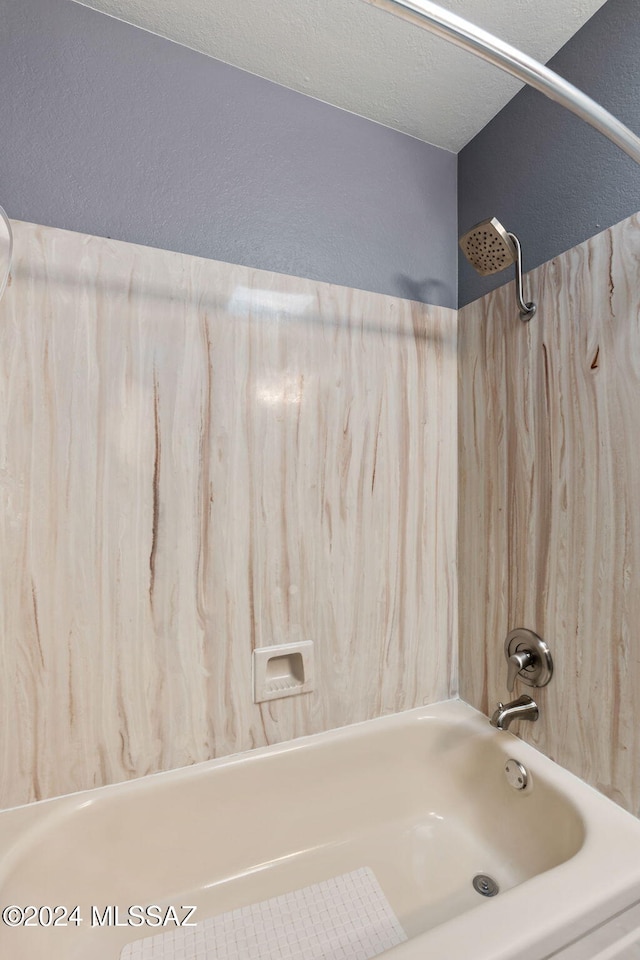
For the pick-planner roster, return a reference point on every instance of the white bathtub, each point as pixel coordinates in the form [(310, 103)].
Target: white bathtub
[(421, 798)]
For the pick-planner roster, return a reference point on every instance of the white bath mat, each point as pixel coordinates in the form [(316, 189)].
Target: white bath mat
[(346, 918)]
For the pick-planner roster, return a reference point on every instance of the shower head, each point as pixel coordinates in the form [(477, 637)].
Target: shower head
[(490, 248)]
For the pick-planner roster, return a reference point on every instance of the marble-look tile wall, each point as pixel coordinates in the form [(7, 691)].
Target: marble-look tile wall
[(197, 459), (549, 534)]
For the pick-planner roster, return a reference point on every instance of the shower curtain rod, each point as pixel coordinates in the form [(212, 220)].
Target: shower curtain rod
[(464, 34)]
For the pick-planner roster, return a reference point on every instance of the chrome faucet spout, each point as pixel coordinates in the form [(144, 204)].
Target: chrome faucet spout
[(523, 708)]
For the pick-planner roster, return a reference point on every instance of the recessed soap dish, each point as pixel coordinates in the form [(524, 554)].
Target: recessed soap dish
[(284, 670)]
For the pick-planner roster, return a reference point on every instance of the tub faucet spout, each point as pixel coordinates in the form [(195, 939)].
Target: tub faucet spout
[(521, 709)]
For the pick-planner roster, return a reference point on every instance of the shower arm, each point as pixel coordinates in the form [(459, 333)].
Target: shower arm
[(464, 34), (527, 310)]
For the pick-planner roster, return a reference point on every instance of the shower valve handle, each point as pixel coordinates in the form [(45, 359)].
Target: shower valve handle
[(517, 662), (528, 657)]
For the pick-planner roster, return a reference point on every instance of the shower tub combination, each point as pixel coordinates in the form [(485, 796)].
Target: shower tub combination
[(419, 802), (421, 799)]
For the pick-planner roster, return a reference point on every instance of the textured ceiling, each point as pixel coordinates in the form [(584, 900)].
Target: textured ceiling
[(360, 58)]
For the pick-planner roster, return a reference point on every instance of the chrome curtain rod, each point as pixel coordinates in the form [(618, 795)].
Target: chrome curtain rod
[(464, 34)]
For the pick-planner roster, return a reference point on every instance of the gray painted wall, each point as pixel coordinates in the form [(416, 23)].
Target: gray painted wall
[(546, 175), (109, 130)]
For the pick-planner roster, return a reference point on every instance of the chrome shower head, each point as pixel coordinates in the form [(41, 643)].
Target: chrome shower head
[(490, 248)]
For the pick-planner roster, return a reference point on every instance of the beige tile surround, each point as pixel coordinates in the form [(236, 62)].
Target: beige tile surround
[(549, 502), (187, 457), (197, 459)]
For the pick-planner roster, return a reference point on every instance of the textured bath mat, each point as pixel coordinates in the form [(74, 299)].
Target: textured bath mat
[(346, 918)]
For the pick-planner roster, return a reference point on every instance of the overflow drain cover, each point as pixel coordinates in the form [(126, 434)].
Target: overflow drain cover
[(485, 885)]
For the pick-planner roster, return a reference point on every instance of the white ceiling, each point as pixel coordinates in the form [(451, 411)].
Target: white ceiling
[(360, 58)]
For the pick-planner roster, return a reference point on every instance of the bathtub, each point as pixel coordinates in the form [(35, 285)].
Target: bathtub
[(421, 798)]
